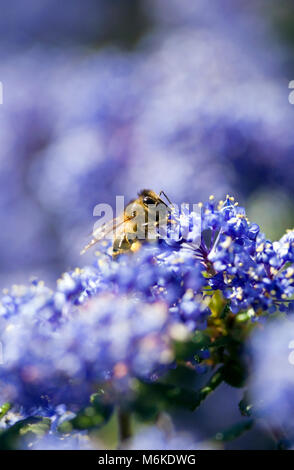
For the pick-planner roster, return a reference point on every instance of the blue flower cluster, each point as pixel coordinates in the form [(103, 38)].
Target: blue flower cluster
[(251, 271), (118, 319), (50, 359)]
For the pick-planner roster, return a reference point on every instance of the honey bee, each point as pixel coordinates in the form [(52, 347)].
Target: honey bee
[(136, 224)]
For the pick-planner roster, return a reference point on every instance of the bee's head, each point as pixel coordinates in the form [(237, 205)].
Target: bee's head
[(148, 196)]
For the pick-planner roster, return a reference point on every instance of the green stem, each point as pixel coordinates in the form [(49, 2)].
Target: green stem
[(234, 431), (211, 385), (124, 425)]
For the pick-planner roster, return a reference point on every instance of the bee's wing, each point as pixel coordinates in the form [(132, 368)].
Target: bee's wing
[(111, 226)]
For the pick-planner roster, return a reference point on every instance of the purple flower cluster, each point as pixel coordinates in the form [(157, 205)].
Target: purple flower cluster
[(117, 320), (49, 360), (112, 322), (251, 271)]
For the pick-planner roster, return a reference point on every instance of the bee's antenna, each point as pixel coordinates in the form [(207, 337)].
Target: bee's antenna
[(171, 207), (167, 198)]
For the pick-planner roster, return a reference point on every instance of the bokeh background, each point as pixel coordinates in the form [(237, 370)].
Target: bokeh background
[(105, 97)]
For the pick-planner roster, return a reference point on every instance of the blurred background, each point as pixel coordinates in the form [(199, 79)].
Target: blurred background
[(106, 97)]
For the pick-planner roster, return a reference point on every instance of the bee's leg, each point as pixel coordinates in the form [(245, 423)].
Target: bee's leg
[(124, 241), (124, 244), (121, 245), (117, 244)]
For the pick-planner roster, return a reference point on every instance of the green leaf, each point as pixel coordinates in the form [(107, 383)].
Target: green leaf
[(38, 428), (156, 397), (217, 303), (211, 385), (201, 340), (93, 416), (4, 409), (28, 430), (186, 350), (182, 376), (235, 374)]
